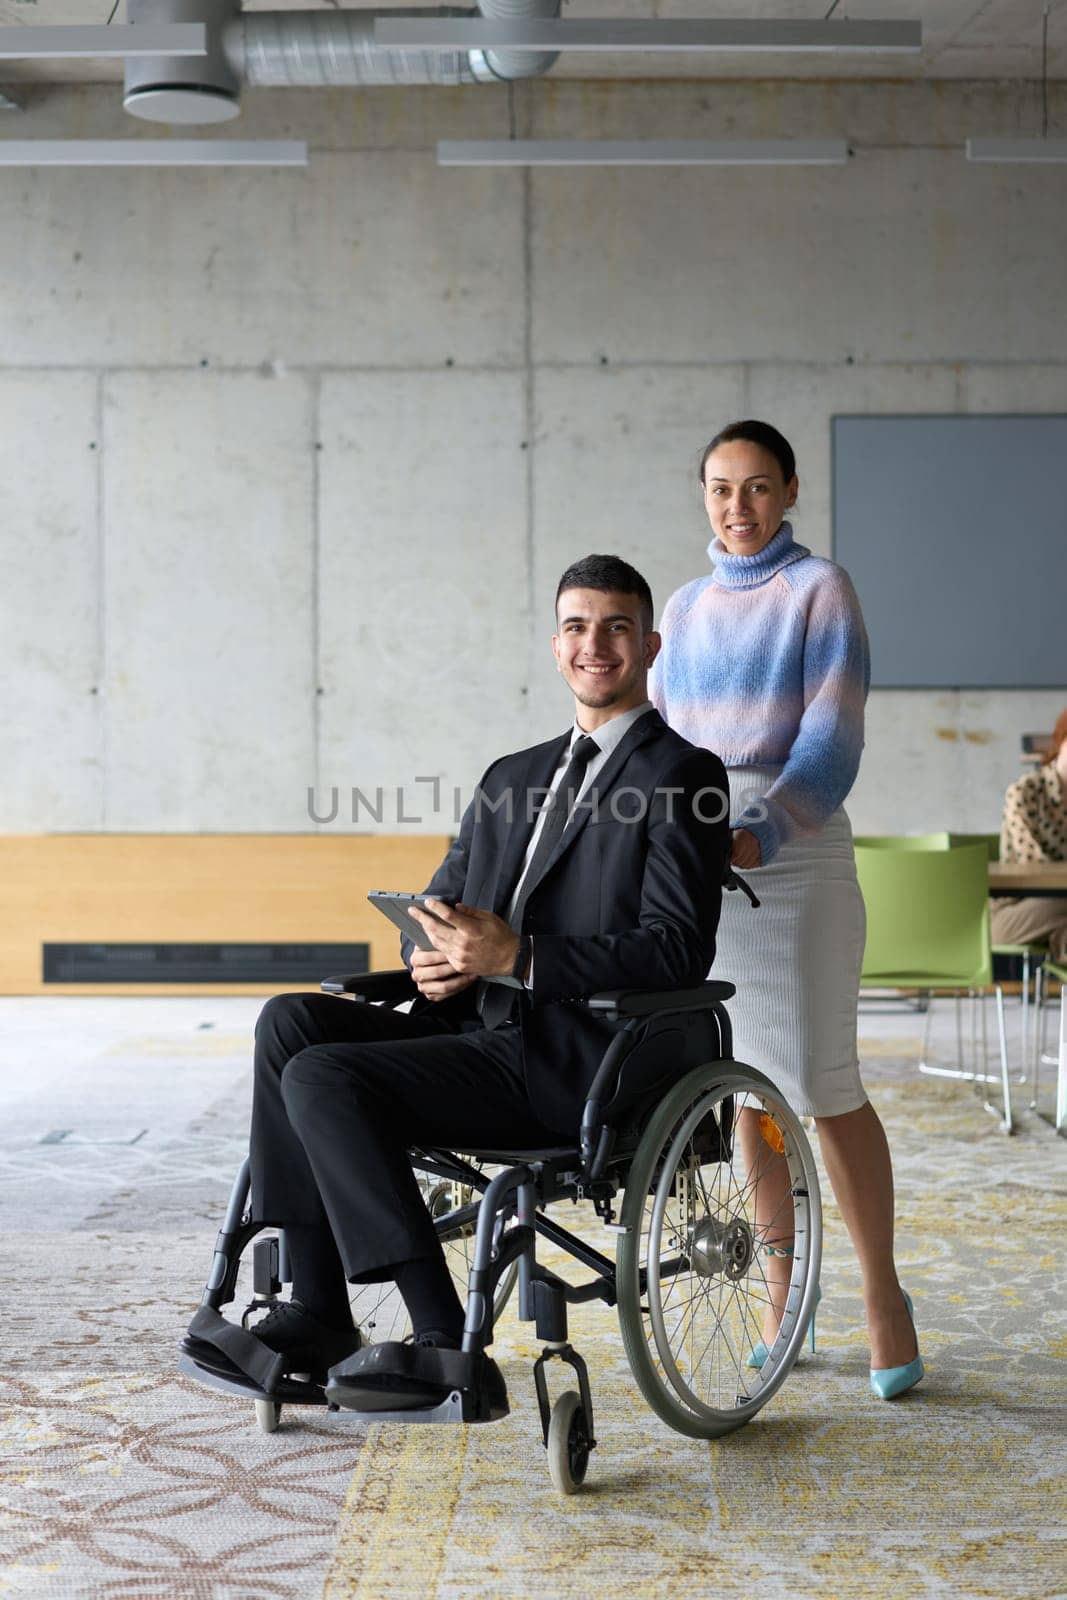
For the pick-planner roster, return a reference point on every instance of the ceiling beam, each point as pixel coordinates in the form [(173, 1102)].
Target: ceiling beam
[(78, 43), (152, 153), (1017, 149), (644, 34), (641, 152)]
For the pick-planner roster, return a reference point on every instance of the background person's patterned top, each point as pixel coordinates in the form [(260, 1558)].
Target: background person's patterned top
[(1034, 826), (765, 661)]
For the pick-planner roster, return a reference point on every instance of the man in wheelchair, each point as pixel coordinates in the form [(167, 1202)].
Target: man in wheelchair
[(593, 862)]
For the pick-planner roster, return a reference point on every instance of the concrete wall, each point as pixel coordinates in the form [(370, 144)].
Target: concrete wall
[(290, 462)]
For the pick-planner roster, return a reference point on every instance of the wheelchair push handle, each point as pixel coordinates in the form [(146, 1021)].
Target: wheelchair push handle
[(733, 880)]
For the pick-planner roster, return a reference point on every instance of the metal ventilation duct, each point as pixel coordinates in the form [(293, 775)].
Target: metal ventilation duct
[(490, 65), (304, 49), (184, 89), (314, 49)]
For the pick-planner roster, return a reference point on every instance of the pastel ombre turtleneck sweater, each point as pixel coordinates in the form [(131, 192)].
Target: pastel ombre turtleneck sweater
[(765, 661)]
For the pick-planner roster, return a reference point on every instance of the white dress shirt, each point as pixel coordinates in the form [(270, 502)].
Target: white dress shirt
[(608, 736)]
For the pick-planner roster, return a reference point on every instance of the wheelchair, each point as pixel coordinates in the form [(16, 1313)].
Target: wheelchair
[(693, 1161)]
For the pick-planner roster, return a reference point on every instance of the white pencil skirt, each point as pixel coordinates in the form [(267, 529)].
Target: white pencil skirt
[(796, 963)]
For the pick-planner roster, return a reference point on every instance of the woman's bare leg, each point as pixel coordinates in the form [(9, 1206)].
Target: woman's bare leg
[(856, 1155), (768, 1181)]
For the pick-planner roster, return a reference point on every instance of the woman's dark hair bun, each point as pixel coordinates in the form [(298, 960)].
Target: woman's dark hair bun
[(752, 432)]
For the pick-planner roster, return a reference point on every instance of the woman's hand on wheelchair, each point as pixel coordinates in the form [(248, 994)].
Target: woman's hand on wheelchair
[(476, 943), (745, 849)]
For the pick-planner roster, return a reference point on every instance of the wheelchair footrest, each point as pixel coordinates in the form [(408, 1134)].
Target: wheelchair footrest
[(459, 1406), (217, 1375), (223, 1347), (406, 1382)]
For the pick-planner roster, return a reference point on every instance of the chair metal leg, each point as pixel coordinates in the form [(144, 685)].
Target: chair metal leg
[(925, 1046), (979, 1046), (1060, 1123), (1044, 1015), (1026, 1015), (942, 1072), (1037, 1032), (980, 1078), (1007, 1125), (1057, 1119)]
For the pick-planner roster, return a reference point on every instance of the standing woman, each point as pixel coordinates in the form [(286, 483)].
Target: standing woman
[(765, 661)]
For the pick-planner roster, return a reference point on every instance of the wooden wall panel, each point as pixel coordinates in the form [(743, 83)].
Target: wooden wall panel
[(196, 888)]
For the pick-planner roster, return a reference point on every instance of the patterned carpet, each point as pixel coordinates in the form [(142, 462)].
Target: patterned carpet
[(121, 1479)]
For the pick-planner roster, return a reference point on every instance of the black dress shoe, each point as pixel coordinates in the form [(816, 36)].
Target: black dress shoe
[(404, 1377), (306, 1344)]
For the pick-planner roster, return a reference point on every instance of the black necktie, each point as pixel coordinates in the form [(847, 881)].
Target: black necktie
[(498, 1000)]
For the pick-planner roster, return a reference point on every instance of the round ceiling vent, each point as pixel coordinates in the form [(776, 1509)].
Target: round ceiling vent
[(184, 90), (184, 103)]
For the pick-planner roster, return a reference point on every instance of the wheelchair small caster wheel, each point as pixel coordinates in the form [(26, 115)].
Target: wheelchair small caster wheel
[(268, 1414), (568, 1443)]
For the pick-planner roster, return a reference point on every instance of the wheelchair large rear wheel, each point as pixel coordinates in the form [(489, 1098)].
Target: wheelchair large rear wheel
[(378, 1309), (721, 1207)]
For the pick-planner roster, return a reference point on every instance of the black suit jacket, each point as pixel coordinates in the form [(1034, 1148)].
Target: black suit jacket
[(629, 899)]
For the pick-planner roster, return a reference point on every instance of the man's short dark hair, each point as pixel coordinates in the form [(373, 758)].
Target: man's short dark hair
[(609, 575)]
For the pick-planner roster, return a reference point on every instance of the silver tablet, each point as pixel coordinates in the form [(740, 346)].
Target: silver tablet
[(395, 907)]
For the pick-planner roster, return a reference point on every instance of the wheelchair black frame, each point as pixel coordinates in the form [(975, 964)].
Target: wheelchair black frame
[(517, 1191)]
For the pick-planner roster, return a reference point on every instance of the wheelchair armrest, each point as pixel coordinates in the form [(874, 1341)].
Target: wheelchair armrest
[(597, 1139), (390, 987), (647, 1002)]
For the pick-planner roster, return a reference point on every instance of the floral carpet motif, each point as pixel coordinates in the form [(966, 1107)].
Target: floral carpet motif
[(121, 1480)]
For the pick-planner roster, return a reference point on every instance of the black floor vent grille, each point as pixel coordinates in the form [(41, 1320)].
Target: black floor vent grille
[(200, 963)]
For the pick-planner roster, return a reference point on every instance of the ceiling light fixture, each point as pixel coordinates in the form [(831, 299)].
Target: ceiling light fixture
[(145, 39), (1043, 149), (152, 153), (641, 152), (645, 34), (1017, 149)]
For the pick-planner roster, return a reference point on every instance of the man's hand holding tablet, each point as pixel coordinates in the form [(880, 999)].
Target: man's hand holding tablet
[(478, 944), (435, 977), (466, 943)]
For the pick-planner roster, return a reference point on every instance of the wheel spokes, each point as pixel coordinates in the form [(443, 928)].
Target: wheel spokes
[(707, 1313)]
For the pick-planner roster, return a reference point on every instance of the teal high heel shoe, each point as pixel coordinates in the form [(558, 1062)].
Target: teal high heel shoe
[(757, 1356), (889, 1382)]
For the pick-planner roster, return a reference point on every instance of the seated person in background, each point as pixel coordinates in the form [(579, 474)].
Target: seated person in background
[(1035, 829), (613, 883)]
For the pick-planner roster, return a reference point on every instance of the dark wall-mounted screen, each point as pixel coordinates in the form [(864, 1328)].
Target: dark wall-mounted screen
[(954, 530), (200, 963)]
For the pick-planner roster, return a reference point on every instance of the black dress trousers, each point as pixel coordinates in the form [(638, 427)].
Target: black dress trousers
[(342, 1089)]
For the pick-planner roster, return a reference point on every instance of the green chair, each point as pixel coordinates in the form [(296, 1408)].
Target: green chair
[(928, 929), (991, 841), (903, 841), (1033, 954), (906, 841)]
